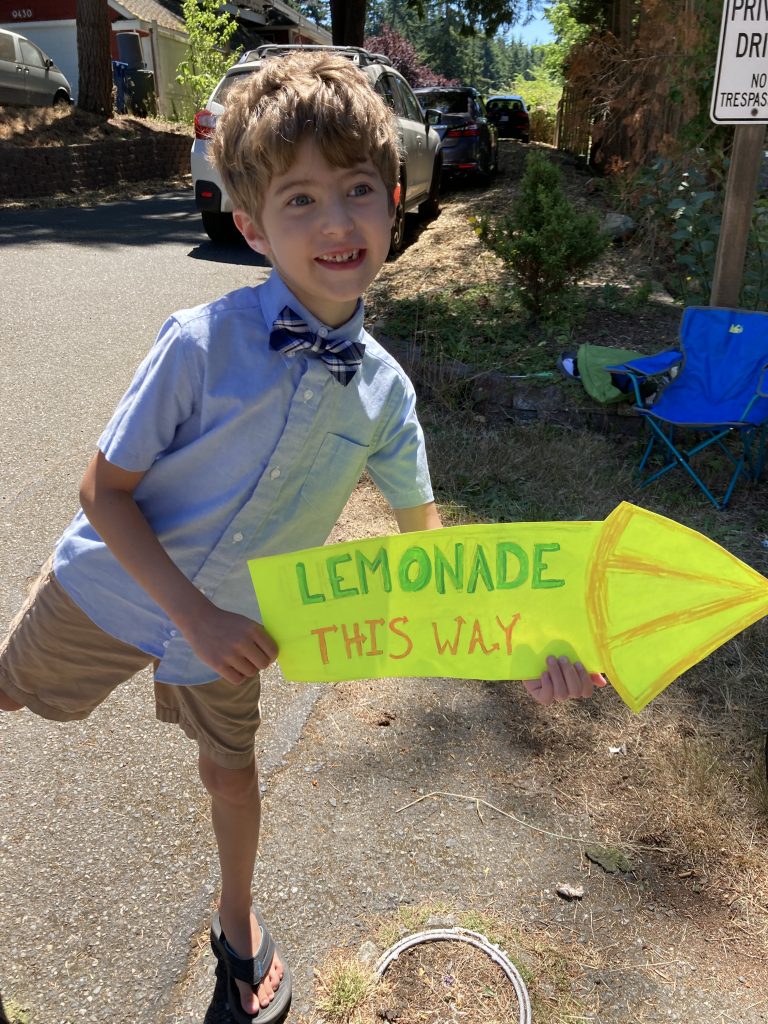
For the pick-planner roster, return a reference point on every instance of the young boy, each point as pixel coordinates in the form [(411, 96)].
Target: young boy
[(243, 433)]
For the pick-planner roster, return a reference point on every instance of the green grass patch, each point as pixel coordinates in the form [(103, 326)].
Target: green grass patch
[(346, 985), (479, 325)]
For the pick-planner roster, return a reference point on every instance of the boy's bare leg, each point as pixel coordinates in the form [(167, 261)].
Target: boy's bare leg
[(236, 815)]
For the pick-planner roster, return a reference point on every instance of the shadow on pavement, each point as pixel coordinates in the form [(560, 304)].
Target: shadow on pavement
[(168, 218), (236, 254), (218, 1010)]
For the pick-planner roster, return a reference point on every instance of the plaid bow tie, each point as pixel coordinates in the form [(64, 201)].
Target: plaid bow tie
[(290, 335)]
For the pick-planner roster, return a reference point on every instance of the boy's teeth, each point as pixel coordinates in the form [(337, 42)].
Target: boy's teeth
[(344, 257)]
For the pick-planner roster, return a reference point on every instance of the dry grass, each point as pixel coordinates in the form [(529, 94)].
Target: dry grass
[(685, 788), (690, 788), (443, 981), (62, 126)]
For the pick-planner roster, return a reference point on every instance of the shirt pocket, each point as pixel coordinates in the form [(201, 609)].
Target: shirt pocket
[(334, 473)]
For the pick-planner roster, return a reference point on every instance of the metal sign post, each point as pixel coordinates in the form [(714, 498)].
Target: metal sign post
[(740, 97)]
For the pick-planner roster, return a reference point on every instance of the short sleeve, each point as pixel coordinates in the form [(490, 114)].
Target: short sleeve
[(159, 399), (398, 463)]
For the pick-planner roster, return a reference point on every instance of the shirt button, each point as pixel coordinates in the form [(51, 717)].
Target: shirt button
[(237, 537), (274, 474), (166, 643), (308, 394), (323, 332), (174, 633)]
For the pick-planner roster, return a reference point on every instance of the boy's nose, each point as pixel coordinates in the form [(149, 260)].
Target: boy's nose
[(338, 219)]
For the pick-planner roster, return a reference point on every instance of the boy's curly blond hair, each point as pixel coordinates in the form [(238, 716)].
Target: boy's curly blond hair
[(311, 94)]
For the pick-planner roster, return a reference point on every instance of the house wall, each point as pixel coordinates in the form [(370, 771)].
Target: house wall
[(175, 100)]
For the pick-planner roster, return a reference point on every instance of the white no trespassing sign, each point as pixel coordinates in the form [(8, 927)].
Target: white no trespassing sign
[(740, 94)]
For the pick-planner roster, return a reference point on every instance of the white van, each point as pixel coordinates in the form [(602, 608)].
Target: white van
[(28, 77)]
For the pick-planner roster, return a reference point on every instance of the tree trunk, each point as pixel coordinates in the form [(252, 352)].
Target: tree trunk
[(94, 57), (348, 22)]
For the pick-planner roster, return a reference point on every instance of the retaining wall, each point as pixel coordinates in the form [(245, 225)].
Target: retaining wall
[(29, 171)]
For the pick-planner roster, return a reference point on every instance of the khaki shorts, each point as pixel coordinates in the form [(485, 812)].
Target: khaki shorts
[(59, 664)]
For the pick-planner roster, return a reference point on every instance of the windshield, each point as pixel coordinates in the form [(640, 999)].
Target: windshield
[(226, 85)]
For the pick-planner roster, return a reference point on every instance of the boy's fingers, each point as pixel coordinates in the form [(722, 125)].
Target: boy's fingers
[(557, 669), (265, 642), (584, 686), (540, 689)]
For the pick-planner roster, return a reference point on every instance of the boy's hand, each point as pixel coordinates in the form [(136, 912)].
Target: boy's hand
[(234, 645), (563, 680)]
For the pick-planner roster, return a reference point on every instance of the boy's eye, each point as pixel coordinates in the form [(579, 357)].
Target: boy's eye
[(300, 200), (362, 189)]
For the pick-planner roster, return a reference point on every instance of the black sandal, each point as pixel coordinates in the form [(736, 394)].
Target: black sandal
[(253, 971)]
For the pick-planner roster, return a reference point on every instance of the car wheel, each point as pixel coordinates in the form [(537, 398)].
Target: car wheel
[(397, 239), (220, 227), (484, 167), (61, 99), (525, 137), (430, 208)]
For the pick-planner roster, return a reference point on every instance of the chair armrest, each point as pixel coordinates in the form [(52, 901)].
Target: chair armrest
[(649, 366)]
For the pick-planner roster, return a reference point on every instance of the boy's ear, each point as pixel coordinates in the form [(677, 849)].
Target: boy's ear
[(251, 232)]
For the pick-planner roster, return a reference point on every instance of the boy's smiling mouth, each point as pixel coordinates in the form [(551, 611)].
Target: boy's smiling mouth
[(343, 257)]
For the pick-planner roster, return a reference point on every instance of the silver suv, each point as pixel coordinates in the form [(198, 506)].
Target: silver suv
[(421, 167)]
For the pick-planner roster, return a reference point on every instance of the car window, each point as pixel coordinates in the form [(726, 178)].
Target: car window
[(226, 85), (7, 50), (408, 103), (31, 55), (385, 87), (446, 102)]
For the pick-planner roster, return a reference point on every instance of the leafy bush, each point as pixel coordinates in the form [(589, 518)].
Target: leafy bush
[(546, 242), (680, 207)]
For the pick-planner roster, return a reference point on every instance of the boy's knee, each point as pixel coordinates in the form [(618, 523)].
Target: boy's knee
[(8, 703), (236, 785)]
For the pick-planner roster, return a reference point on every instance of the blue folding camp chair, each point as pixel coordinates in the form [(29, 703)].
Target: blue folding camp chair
[(720, 392)]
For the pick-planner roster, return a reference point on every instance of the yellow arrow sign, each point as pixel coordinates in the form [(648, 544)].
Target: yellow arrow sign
[(637, 596)]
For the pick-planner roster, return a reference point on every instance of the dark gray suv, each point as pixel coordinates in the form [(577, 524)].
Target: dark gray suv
[(28, 77), (470, 140), (420, 171)]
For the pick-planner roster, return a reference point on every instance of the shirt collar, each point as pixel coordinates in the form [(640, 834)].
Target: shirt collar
[(274, 295)]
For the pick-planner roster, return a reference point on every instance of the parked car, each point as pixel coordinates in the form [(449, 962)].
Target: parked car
[(470, 140), (28, 77), (420, 172), (510, 115)]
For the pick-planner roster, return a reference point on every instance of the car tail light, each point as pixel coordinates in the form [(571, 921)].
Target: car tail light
[(462, 132), (205, 122)]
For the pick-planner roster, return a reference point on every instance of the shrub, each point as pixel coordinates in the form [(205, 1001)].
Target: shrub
[(546, 242), (679, 204)]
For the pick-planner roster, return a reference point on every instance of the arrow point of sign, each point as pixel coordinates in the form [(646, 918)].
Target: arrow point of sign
[(662, 597)]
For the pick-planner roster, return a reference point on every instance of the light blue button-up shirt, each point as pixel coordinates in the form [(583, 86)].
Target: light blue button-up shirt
[(246, 452)]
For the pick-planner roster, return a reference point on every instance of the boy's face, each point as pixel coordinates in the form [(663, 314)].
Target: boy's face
[(325, 229)]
